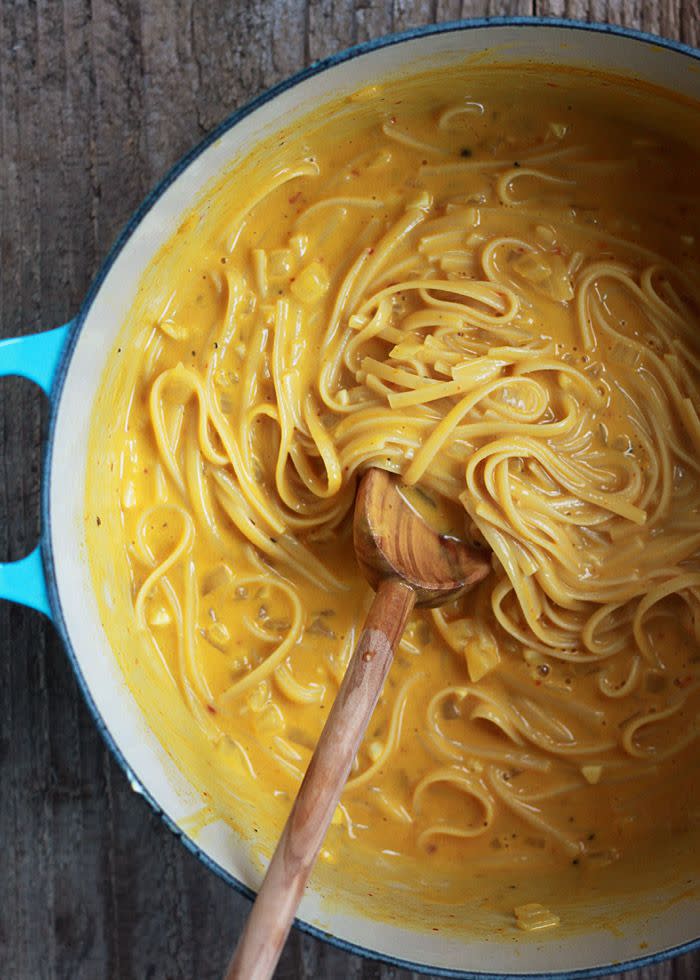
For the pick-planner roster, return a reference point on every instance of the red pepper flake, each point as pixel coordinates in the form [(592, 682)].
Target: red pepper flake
[(211, 709), (683, 681), (370, 251), (355, 172), (295, 197)]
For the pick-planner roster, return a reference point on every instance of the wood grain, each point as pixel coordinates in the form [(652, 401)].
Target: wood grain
[(97, 99), (266, 929)]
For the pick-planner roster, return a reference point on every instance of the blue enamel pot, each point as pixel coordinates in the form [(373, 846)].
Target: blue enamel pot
[(68, 363)]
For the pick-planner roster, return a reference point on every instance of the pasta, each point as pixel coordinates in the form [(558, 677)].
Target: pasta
[(500, 304)]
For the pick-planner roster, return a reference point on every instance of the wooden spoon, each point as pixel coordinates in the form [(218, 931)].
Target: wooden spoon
[(408, 564)]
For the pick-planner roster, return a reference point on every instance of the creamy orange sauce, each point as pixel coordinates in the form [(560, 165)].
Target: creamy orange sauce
[(489, 760)]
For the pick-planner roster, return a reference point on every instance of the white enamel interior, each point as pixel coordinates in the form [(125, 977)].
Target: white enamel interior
[(148, 765)]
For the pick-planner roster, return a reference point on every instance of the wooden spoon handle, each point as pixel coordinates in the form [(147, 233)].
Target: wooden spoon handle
[(272, 915)]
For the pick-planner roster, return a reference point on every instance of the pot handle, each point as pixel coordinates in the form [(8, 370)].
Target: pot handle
[(35, 357)]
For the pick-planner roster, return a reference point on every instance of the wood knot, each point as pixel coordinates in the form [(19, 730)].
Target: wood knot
[(373, 642)]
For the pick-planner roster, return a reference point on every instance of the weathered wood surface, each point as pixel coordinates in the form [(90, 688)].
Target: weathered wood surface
[(97, 99)]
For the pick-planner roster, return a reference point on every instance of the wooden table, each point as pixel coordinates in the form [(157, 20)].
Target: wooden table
[(97, 99)]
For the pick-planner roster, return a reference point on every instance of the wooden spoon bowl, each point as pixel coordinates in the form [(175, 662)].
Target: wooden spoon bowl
[(392, 542)]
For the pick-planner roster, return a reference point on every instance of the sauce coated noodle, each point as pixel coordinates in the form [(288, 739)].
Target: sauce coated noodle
[(499, 302)]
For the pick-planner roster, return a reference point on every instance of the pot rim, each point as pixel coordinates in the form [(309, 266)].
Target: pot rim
[(75, 329)]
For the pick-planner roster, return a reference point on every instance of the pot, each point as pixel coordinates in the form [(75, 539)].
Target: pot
[(68, 363)]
